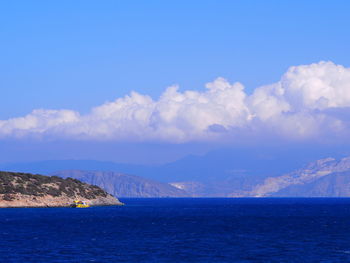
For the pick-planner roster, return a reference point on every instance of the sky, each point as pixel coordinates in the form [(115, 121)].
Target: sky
[(153, 81)]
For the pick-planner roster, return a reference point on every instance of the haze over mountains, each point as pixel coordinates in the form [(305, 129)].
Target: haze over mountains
[(218, 165), (224, 173), (123, 185), (327, 177), (323, 178)]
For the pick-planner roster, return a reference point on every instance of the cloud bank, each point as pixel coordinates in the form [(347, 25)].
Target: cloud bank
[(310, 101)]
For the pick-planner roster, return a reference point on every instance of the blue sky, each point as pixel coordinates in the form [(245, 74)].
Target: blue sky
[(77, 55)]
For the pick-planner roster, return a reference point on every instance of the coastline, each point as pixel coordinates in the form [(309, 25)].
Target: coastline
[(47, 201)]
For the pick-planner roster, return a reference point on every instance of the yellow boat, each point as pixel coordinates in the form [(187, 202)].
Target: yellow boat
[(80, 204)]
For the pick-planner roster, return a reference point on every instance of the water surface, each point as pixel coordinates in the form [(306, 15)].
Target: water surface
[(181, 230)]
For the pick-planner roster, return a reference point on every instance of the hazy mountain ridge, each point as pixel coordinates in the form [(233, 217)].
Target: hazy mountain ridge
[(326, 177), (321, 172), (220, 188), (332, 185), (213, 176), (216, 165), (123, 185)]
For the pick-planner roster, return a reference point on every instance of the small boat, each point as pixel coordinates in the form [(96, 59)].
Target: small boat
[(80, 204)]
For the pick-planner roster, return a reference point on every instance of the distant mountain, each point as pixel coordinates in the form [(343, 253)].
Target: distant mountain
[(327, 177), (219, 188), (324, 178), (122, 185), (50, 166), (230, 165), (332, 185), (221, 173)]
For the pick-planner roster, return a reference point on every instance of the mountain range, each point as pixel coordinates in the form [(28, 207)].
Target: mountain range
[(217, 165), (217, 174), (123, 185), (327, 177)]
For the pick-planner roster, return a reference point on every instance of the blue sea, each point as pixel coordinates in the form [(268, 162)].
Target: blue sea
[(181, 230)]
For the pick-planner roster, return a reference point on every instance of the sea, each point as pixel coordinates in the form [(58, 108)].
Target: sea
[(181, 230)]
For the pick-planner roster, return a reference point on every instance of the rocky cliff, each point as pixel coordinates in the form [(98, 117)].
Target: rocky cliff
[(123, 185), (29, 190)]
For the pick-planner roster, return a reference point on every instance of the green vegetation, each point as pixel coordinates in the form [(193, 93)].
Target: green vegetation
[(40, 185)]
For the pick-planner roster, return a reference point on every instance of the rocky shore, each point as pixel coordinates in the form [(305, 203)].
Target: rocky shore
[(28, 190)]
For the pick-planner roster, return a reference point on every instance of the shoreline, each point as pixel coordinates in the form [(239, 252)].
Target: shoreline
[(59, 206)]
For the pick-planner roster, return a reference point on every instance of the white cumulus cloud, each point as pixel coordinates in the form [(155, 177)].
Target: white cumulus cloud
[(310, 101)]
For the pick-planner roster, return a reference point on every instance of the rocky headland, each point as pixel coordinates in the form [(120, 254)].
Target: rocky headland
[(33, 190)]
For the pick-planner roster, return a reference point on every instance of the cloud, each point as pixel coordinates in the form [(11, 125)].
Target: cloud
[(308, 102)]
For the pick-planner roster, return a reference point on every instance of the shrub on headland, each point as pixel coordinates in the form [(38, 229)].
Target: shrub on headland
[(40, 185)]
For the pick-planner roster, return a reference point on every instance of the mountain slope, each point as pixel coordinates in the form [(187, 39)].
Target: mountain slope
[(332, 185), (123, 185), (326, 177)]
